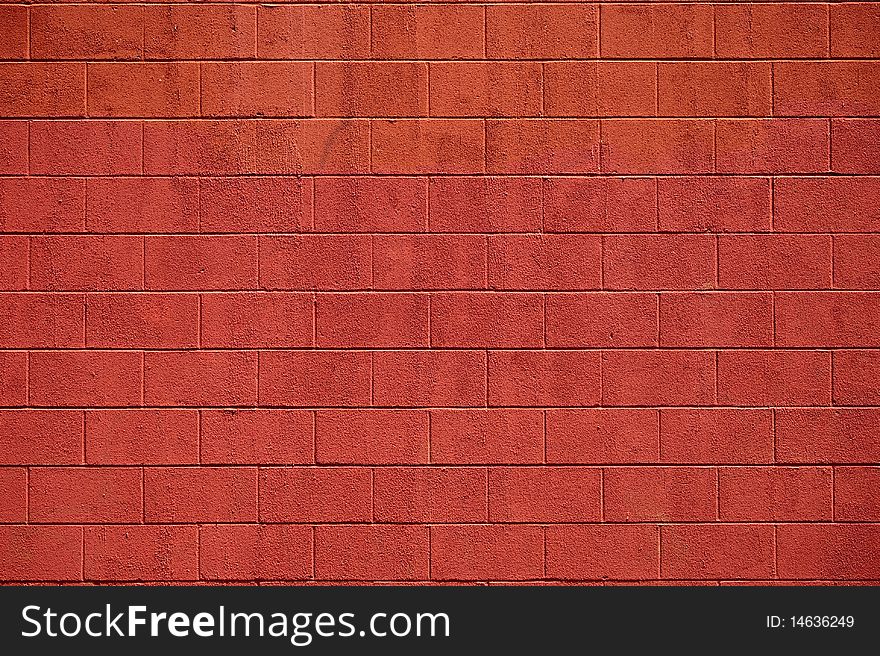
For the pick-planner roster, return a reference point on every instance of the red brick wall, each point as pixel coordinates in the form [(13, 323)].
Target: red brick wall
[(440, 292)]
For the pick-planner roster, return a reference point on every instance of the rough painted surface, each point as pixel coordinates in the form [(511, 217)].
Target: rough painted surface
[(564, 292)]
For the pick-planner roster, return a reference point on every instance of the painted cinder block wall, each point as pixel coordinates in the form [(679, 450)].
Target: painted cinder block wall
[(563, 292)]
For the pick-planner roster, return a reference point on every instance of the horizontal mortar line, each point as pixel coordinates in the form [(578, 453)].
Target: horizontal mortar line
[(417, 177), (463, 174), (440, 117), (80, 118), (361, 524), (367, 3), (458, 290), (431, 349), (445, 465), (265, 406), (475, 582), (431, 291), (471, 524), (97, 58), (305, 235), (427, 176), (435, 233), (194, 177)]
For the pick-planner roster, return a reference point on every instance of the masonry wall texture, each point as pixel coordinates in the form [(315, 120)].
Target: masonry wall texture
[(447, 292)]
